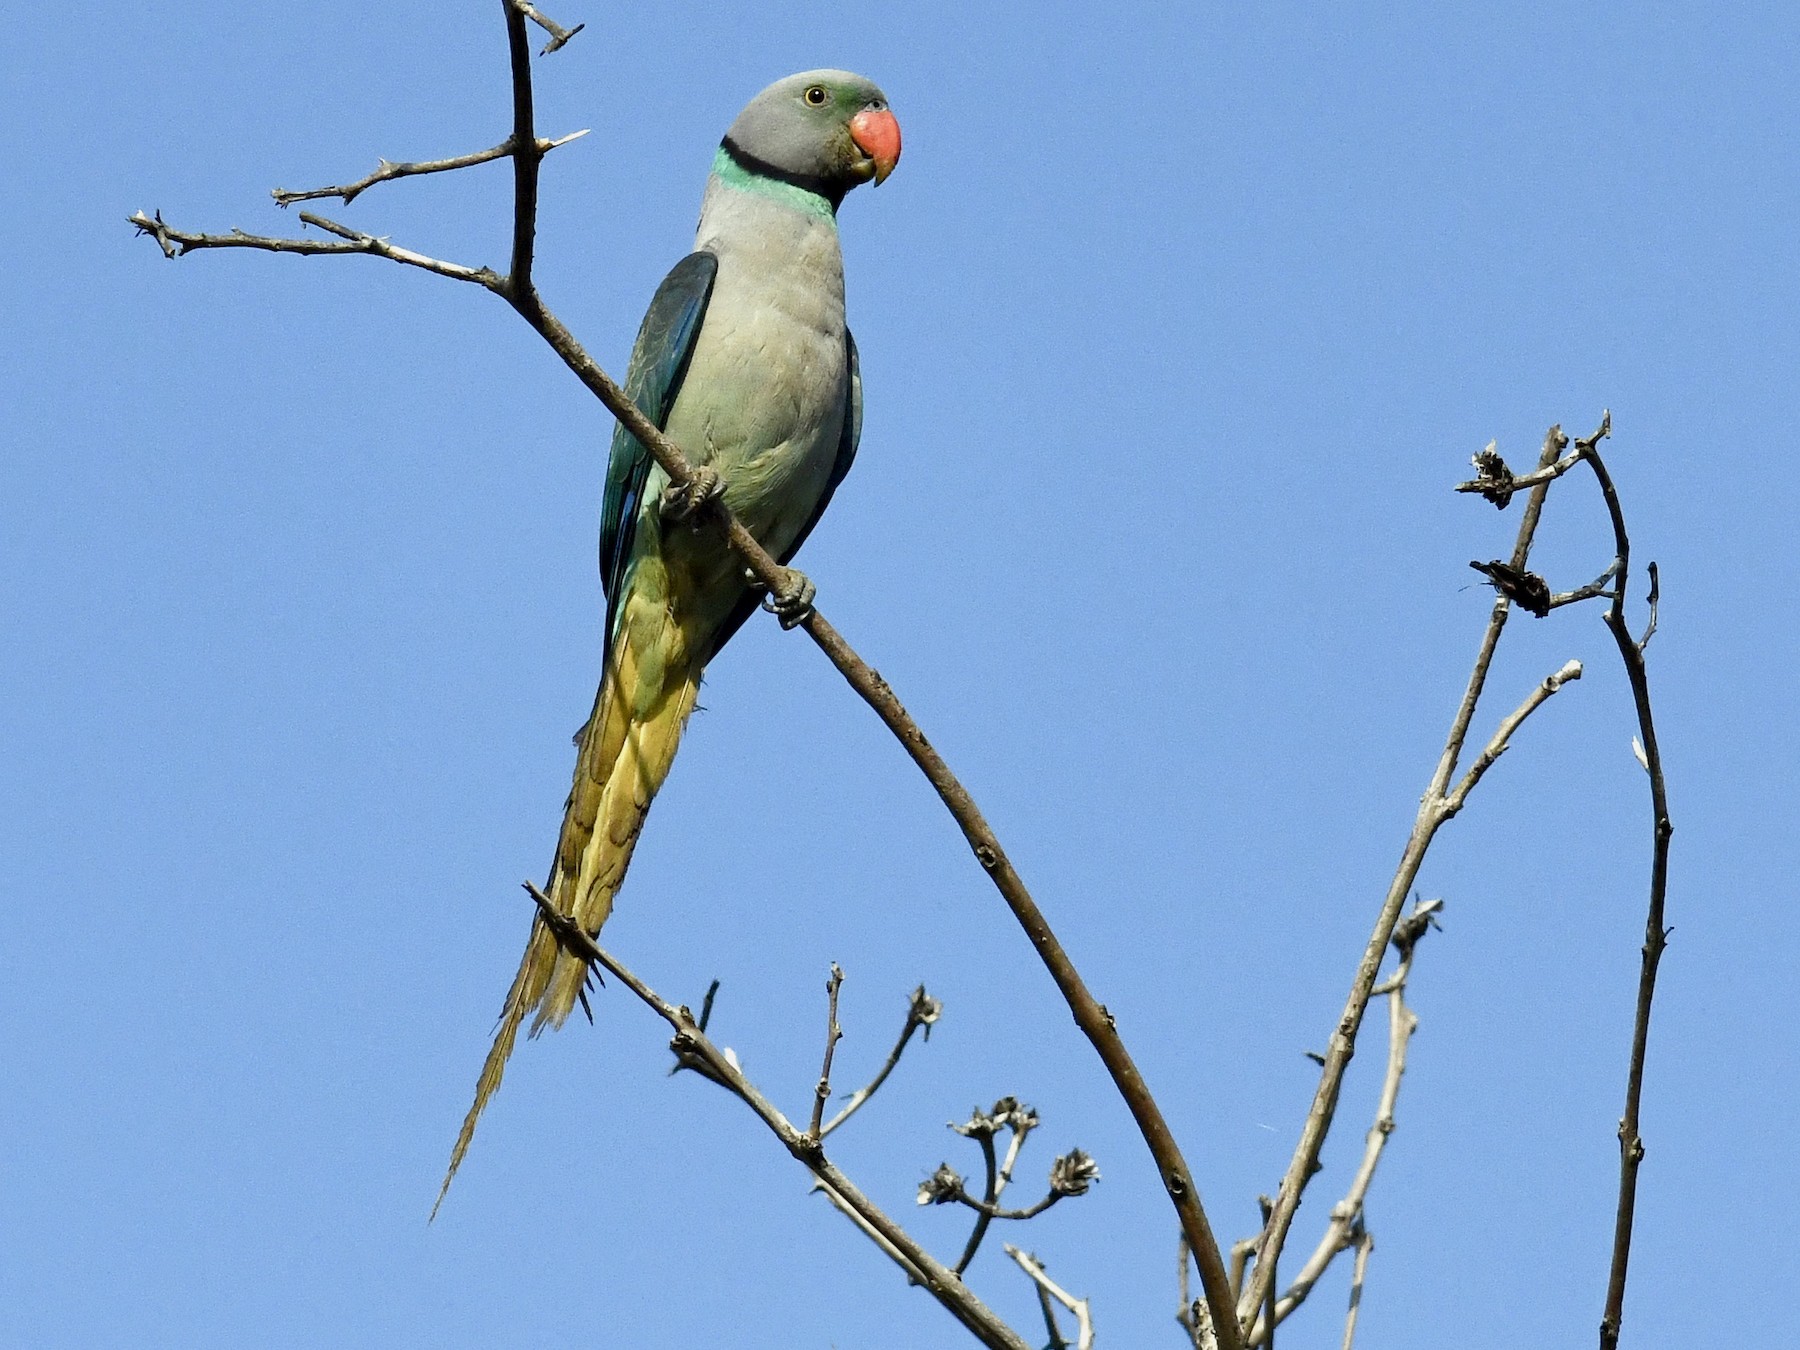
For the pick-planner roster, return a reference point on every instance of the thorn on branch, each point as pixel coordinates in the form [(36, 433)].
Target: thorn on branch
[(1525, 589), (559, 36)]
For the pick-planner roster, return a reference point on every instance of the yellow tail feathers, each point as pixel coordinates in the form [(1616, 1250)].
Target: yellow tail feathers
[(629, 743)]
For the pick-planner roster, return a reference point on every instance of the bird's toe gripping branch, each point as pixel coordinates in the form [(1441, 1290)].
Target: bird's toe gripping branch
[(792, 601), (688, 503)]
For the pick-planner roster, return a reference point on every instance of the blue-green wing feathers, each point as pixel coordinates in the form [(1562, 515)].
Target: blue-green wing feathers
[(659, 363)]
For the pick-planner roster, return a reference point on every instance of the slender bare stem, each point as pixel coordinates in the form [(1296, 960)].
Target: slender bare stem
[(912, 1272), (1365, 1243), (1631, 653), (559, 36), (174, 243), (984, 1212), (1084, 1337), (1347, 1214), (388, 170), (922, 1011), (945, 1285), (833, 1033), (1432, 814), (1453, 802)]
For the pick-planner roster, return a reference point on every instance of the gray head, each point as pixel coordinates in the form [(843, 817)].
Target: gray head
[(822, 130)]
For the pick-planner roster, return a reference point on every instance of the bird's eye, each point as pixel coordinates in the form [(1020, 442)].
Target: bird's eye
[(817, 96)]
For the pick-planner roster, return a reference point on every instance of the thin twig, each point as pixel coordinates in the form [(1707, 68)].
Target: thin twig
[(943, 1284), (922, 1011), (1431, 816), (1365, 1243), (1571, 670), (984, 1212), (833, 1033), (388, 170), (559, 36), (174, 243), (912, 1272), (1347, 1214), (989, 1210), (1600, 587), (1084, 1337), (1656, 936)]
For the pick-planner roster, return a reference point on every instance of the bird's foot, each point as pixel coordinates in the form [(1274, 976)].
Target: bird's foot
[(687, 503), (792, 600)]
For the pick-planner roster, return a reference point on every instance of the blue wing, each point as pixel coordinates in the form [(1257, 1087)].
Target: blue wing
[(846, 456), (659, 364)]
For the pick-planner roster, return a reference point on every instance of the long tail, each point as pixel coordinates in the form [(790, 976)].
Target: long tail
[(646, 694)]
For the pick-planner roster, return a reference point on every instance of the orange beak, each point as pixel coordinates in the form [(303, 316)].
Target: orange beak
[(877, 135)]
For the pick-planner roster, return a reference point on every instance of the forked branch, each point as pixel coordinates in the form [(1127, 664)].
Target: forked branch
[(1437, 806), (722, 1067), (518, 289)]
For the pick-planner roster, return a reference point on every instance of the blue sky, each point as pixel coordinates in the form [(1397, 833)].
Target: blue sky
[(1177, 324)]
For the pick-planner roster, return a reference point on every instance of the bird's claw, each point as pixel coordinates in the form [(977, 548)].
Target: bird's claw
[(792, 601), (686, 503)]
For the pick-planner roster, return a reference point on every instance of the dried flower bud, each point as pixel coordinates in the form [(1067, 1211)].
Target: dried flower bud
[(1073, 1173), (924, 1010), (979, 1125), (941, 1187), (1495, 477)]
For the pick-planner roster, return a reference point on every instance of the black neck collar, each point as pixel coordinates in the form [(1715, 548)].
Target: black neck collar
[(831, 191)]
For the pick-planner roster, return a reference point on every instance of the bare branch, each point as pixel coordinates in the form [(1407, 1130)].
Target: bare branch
[(1084, 1337), (1496, 482), (1571, 670), (833, 1033), (913, 1274), (1656, 936), (1365, 1243), (559, 36), (1599, 587), (1431, 816), (922, 1011), (944, 1285), (1347, 1215), (174, 243), (388, 170), (986, 1211)]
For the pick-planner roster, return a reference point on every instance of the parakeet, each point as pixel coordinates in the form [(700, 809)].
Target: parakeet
[(745, 360)]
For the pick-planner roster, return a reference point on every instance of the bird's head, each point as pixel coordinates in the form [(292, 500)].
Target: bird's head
[(827, 128)]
